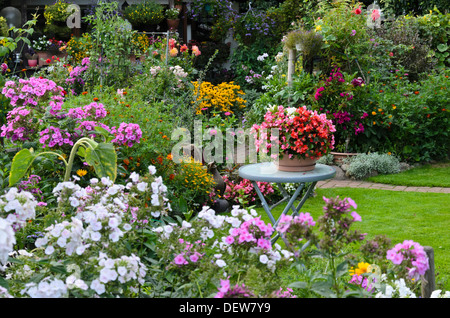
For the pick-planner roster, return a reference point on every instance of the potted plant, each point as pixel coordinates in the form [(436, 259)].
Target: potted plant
[(144, 16), (308, 43), (172, 18), (41, 45), (298, 136), (32, 57), (56, 16)]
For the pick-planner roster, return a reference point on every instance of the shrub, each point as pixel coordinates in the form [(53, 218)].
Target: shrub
[(363, 165), (225, 97)]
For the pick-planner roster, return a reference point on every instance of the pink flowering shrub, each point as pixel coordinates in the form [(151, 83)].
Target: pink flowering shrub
[(38, 101), (253, 233), (242, 192), (127, 134), (237, 291), (190, 254), (337, 97), (54, 136), (21, 125), (37, 93), (94, 110), (75, 79)]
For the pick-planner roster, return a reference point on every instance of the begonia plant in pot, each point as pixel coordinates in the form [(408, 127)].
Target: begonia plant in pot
[(295, 137)]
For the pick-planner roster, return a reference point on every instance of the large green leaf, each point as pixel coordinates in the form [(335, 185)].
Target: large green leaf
[(20, 165), (103, 158)]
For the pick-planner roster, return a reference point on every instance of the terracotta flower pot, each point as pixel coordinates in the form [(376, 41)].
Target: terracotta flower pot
[(295, 164), (173, 24), (338, 157), (32, 63)]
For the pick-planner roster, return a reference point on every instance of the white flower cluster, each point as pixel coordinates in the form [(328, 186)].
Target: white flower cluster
[(262, 57), (123, 270), (439, 294), (7, 240), (19, 206), (178, 71), (397, 290), (47, 288), (67, 235), (4, 293)]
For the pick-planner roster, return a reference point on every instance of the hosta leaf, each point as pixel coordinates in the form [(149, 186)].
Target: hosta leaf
[(20, 165), (103, 158)]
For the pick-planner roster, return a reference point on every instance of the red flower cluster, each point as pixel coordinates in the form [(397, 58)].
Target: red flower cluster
[(301, 132)]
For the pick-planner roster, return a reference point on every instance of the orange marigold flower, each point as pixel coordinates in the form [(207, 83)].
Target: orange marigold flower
[(416, 92), (95, 99), (84, 93)]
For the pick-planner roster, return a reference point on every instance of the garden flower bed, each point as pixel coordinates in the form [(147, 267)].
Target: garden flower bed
[(118, 171)]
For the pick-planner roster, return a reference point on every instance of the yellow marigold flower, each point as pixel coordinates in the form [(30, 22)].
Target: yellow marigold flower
[(81, 172)]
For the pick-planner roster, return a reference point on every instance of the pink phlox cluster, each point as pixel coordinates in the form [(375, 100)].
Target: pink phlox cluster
[(94, 110), (127, 134), (19, 125), (189, 255), (254, 232), (75, 75), (87, 126), (414, 256), (227, 291), (287, 220), (32, 91), (284, 294), (54, 136)]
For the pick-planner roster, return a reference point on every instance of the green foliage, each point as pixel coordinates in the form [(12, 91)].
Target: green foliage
[(409, 119), (279, 93), (344, 32), (435, 26), (399, 7), (405, 45), (111, 38)]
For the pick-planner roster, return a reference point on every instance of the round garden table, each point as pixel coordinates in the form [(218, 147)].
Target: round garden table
[(268, 172)]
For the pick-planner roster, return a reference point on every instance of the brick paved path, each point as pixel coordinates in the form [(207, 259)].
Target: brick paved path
[(333, 183)]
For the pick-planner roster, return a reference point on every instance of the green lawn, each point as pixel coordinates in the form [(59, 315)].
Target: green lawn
[(421, 217), (425, 176)]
